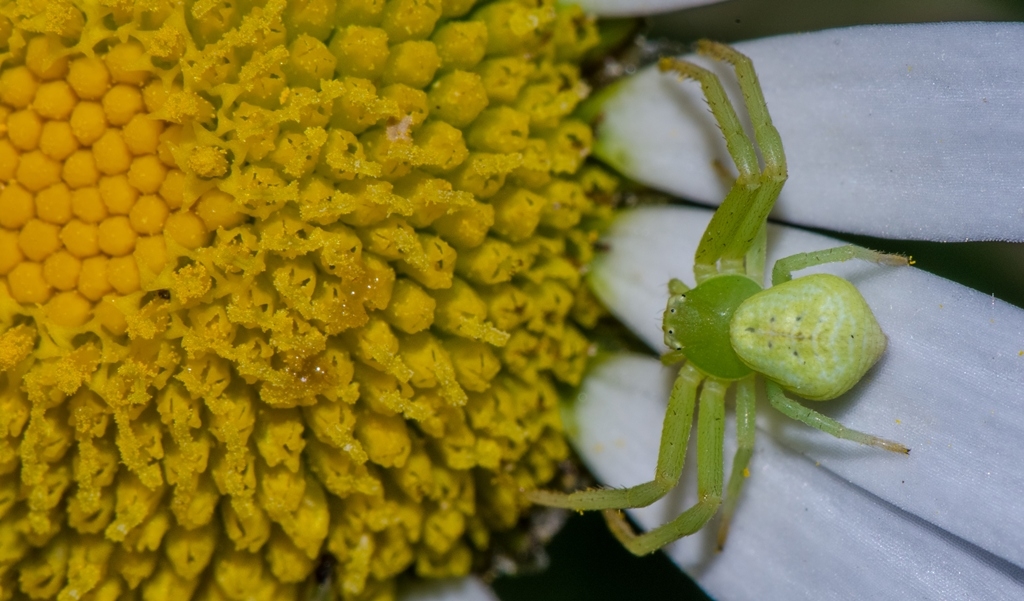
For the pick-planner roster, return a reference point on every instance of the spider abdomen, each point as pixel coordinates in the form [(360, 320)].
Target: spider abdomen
[(815, 335)]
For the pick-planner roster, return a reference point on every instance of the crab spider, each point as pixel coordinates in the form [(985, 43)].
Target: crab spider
[(814, 336)]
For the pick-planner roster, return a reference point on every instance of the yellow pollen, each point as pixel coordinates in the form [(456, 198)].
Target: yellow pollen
[(284, 280)]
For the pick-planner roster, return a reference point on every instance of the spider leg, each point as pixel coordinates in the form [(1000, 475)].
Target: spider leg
[(675, 434), (726, 221), (710, 434), (774, 174), (784, 268), (767, 136), (755, 258), (812, 418), (745, 429)]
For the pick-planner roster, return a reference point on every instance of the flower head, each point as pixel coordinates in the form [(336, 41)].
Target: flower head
[(280, 279)]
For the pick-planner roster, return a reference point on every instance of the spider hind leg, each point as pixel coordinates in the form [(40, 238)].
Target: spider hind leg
[(671, 455), (710, 435)]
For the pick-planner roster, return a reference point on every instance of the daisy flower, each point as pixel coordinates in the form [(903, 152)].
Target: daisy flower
[(287, 289)]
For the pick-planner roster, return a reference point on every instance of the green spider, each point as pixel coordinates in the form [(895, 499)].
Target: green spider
[(814, 336)]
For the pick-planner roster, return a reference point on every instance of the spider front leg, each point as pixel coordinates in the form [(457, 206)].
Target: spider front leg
[(710, 435), (735, 225), (775, 172), (722, 228), (675, 434)]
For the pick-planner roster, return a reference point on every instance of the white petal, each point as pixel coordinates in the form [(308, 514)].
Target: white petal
[(800, 532), (950, 386), (633, 8), (456, 589), (900, 131)]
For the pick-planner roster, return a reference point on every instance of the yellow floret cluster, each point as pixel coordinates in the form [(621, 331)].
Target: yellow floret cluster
[(282, 280), (90, 187)]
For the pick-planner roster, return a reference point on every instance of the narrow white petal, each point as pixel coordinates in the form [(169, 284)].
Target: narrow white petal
[(800, 531), (950, 385), (633, 8), (456, 589), (899, 131)]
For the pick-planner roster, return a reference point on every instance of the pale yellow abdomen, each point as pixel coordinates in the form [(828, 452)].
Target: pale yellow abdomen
[(815, 335)]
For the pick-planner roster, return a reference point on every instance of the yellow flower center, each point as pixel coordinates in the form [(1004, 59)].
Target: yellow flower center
[(281, 279)]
